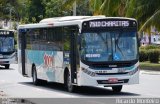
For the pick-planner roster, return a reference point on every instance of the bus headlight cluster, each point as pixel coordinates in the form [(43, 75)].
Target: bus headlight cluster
[(133, 71), (88, 72)]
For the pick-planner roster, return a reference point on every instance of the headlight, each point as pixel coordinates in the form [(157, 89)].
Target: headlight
[(133, 71), (88, 72)]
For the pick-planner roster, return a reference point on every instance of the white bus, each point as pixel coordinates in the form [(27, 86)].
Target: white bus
[(80, 51), (7, 48)]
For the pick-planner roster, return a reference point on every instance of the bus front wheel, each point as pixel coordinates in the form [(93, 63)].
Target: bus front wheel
[(36, 81), (117, 88), (7, 66), (68, 83)]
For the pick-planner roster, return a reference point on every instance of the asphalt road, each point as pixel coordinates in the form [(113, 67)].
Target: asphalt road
[(14, 85)]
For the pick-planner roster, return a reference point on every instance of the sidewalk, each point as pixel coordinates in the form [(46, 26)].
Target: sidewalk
[(149, 72)]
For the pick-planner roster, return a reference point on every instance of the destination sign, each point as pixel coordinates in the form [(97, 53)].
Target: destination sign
[(108, 24)]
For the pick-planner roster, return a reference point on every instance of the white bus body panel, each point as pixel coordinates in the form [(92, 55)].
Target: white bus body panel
[(10, 58), (53, 72)]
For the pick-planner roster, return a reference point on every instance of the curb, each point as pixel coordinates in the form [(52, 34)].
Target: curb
[(150, 72)]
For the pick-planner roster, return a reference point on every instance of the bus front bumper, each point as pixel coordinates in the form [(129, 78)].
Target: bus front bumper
[(11, 60), (104, 80)]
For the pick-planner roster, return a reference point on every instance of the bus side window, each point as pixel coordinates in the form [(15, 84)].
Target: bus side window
[(55, 39), (66, 38)]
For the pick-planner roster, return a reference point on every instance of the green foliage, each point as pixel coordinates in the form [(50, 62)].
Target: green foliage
[(95, 5), (149, 66), (114, 7), (14, 25), (9, 5), (82, 6), (153, 55), (150, 52), (146, 11), (143, 55), (35, 10), (69, 3), (54, 8), (148, 47), (32, 11)]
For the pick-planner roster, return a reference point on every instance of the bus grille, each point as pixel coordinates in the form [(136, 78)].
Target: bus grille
[(107, 82), (112, 73)]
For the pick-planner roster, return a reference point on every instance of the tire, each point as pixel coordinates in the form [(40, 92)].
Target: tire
[(7, 66), (68, 83), (117, 88), (35, 80)]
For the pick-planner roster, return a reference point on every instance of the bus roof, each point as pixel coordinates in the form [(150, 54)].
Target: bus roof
[(68, 18), (7, 30), (66, 21)]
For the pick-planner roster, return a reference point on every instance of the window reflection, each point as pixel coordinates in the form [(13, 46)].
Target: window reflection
[(6, 44), (109, 46)]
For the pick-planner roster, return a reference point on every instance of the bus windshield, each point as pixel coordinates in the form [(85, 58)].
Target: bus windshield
[(6, 44), (109, 46)]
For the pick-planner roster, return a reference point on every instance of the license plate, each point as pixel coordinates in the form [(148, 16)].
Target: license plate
[(112, 80)]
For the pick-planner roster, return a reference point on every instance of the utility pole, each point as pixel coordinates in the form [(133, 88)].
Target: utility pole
[(74, 9), (10, 17)]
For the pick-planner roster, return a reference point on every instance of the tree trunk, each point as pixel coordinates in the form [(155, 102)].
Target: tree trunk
[(149, 39)]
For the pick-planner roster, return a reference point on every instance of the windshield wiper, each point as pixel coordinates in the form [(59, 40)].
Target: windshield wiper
[(116, 44), (104, 40)]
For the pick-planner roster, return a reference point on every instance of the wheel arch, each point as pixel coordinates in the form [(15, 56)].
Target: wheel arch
[(33, 65)]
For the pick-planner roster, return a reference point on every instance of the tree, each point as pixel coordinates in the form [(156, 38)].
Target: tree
[(54, 8), (95, 5), (109, 7), (147, 12), (35, 10), (82, 7), (8, 6), (104, 7)]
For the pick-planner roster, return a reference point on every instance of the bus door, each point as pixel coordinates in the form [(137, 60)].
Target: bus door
[(73, 54)]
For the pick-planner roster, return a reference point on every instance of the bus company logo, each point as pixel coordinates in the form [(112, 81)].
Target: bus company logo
[(109, 24), (48, 60)]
